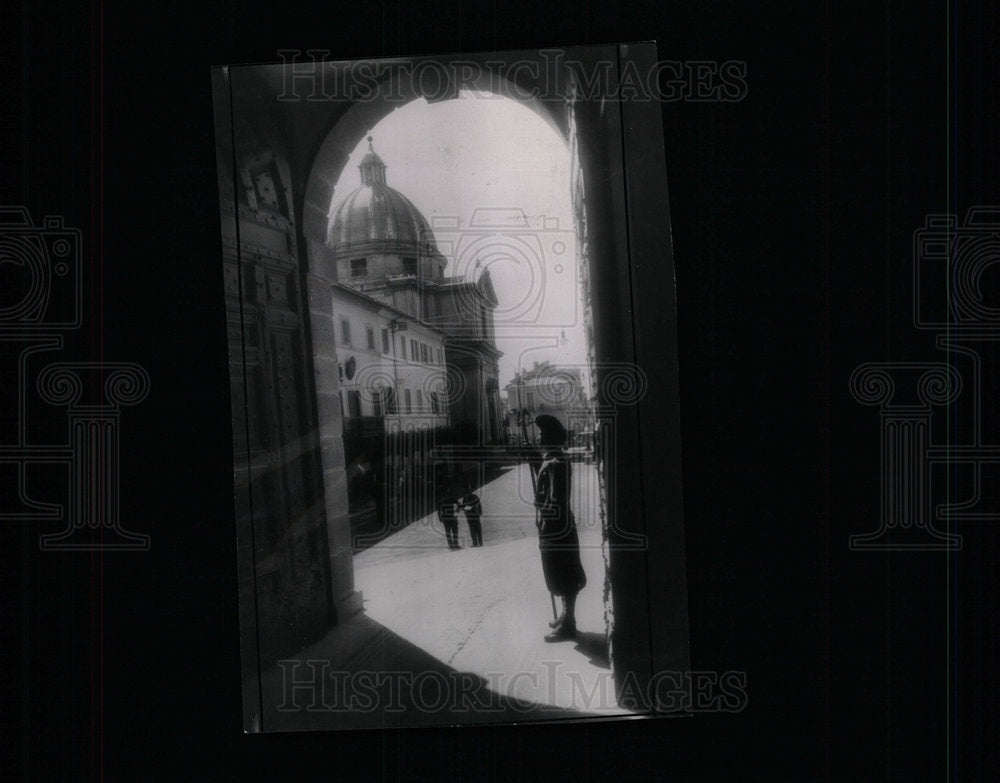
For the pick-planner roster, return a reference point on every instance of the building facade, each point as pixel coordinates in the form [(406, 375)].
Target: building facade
[(385, 249), (464, 310), (549, 389), (391, 366), (416, 353)]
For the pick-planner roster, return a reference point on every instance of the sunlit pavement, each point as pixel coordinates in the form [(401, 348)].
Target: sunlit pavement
[(482, 611)]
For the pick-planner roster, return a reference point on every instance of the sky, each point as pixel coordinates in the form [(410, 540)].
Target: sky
[(493, 179)]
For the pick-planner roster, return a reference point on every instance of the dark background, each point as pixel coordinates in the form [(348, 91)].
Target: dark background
[(792, 217)]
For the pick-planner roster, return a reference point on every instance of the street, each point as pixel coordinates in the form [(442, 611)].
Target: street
[(477, 613)]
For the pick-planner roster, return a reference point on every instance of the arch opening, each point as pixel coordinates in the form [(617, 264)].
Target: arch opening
[(479, 197)]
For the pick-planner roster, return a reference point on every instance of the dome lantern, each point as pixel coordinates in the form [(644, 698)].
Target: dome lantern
[(376, 231), (372, 167)]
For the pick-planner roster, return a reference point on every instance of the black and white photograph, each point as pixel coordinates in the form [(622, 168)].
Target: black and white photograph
[(499, 392), (436, 403)]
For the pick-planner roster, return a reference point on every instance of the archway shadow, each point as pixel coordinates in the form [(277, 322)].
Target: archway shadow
[(362, 675)]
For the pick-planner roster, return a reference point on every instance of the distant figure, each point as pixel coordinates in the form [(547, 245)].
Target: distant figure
[(473, 511), (447, 513), (557, 538)]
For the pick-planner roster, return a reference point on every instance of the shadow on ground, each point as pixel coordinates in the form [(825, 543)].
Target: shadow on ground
[(362, 675)]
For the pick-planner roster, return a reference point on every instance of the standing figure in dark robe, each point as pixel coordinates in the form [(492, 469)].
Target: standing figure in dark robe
[(473, 512), (557, 538), (448, 514)]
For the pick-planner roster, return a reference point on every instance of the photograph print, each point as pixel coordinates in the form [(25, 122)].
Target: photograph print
[(457, 472)]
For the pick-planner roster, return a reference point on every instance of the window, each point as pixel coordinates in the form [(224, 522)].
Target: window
[(379, 400), (409, 266), (354, 404), (359, 267), (423, 353), (434, 401), (370, 334), (345, 331), (420, 401), (267, 190), (402, 347), (385, 341), (391, 401), (531, 401), (414, 355), (408, 402), (440, 360)]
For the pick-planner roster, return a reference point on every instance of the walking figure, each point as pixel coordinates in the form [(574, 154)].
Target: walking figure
[(557, 537), (447, 513), (473, 511)]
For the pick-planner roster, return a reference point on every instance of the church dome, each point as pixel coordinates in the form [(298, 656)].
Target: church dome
[(375, 216)]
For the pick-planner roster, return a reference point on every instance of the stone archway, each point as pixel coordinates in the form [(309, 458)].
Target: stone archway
[(334, 141), (310, 141), (337, 142), (351, 126)]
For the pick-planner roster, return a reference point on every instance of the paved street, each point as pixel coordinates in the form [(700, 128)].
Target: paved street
[(476, 613)]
